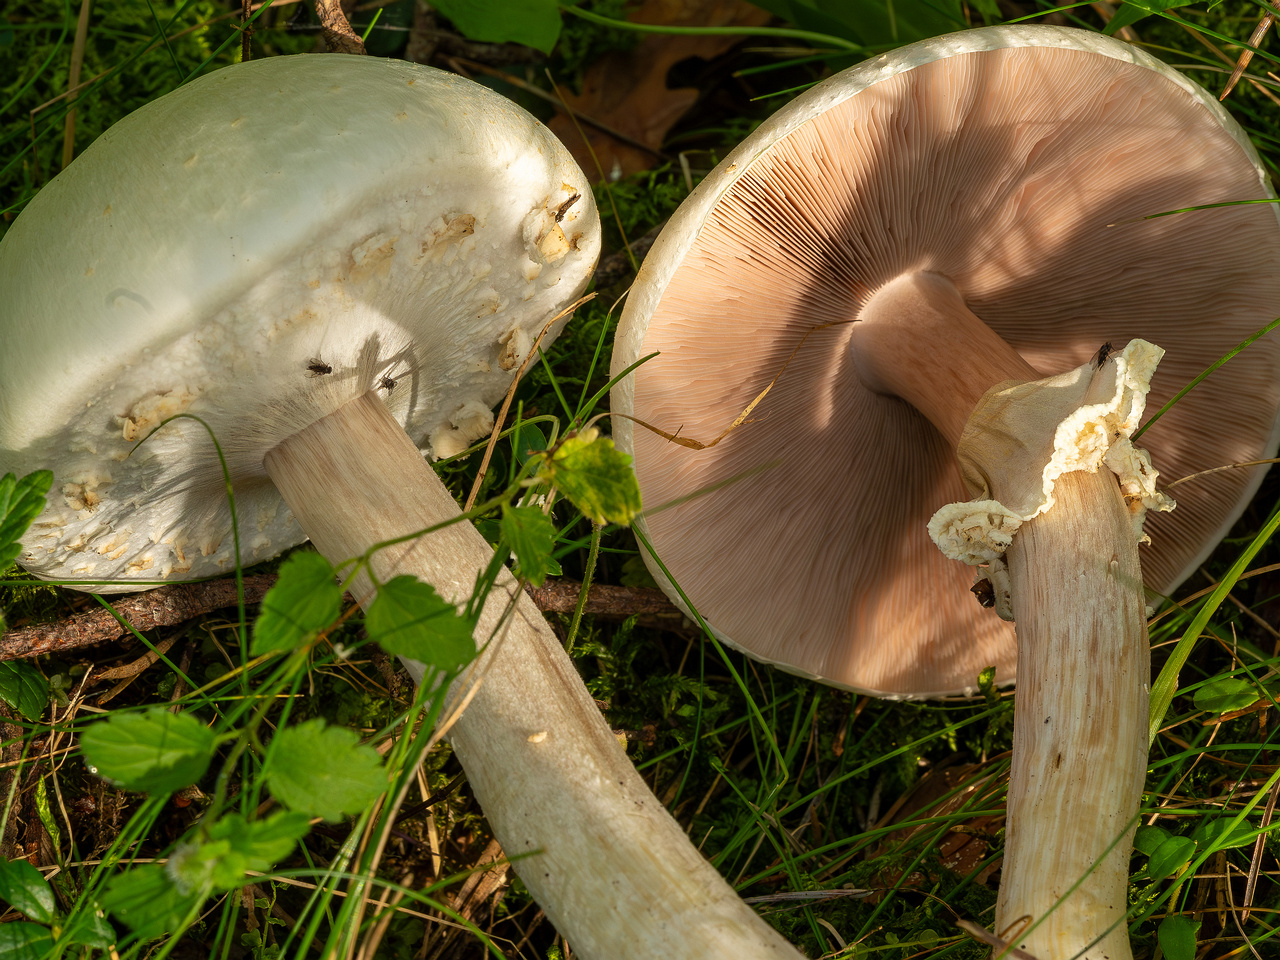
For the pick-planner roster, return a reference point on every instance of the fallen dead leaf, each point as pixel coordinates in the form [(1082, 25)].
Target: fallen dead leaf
[(628, 91)]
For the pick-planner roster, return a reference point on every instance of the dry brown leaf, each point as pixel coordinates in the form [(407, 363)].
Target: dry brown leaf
[(628, 92)]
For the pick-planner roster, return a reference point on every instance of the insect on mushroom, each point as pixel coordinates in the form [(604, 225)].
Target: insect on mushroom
[(387, 383), (318, 368)]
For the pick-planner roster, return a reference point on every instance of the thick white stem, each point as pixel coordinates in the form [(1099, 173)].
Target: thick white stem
[(1080, 724), (614, 872), (1080, 720)]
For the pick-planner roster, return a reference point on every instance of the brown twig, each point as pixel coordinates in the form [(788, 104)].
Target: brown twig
[(145, 611), (180, 602), (336, 30)]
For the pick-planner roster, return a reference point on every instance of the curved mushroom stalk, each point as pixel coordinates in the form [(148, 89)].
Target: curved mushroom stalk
[(613, 871), (1035, 453)]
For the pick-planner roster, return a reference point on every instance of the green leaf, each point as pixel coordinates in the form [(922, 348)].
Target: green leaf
[(1132, 12), (261, 843), (149, 902), (25, 889), (44, 810), (532, 536), (409, 619), (528, 442), (24, 941), (305, 600), (1218, 834), (1177, 937), (1170, 857), (535, 23), (24, 688), (324, 771), (871, 22), (597, 478), (21, 501), (89, 929), (1148, 839), (154, 752), (1227, 694)]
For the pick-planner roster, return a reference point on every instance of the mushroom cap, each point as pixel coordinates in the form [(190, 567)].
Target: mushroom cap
[(257, 248), (1018, 163)]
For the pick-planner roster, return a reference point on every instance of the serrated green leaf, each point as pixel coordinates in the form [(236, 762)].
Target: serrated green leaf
[(1227, 694), (532, 536), (24, 941), (25, 889), (1170, 857), (149, 902), (1218, 834), (597, 477), (1148, 839), (324, 771), (24, 688), (535, 23), (21, 501), (154, 752), (409, 619), (1177, 936), (305, 599), (261, 843)]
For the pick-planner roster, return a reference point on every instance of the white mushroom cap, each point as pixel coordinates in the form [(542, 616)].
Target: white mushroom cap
[(999, 159), (368, 217)]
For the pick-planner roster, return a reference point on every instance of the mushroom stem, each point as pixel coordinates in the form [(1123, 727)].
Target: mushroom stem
[(613, 871), (1080, 719), (1080, 724)]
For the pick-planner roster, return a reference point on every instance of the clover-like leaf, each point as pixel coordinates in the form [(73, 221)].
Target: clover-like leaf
[(154, 752), (1177, 936), (305, 599), (1226, 694), (535, 23), (1220, 835), (1170, 857), (24, 688), (21, 501), (532, 536), (1148, 839), (409, 619), (596, 476), (324, 771), (24, 888)]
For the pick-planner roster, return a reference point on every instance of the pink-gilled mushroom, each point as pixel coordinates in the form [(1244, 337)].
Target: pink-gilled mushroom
[(315, 255), (911, 249)]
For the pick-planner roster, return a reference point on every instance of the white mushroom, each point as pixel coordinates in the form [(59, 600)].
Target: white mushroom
[(262, 248), (900, 257)]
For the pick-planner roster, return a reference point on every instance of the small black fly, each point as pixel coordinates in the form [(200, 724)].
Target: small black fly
[(1104, 351), (318, 368), (387, 384)]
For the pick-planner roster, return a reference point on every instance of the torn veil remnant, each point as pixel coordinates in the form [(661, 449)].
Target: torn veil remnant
[(272, 247), (1021, 438), (914, 250)]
